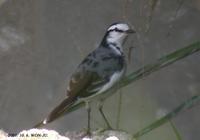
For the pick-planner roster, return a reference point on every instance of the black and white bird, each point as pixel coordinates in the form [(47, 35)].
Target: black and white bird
[(98, 72)]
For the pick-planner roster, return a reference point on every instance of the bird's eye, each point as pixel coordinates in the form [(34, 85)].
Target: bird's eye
[(118, 30)]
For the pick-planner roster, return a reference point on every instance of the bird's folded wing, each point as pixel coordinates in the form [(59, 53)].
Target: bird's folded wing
[(84, 84)]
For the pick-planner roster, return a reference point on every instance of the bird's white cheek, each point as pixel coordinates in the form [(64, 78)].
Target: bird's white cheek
[(117, 38)]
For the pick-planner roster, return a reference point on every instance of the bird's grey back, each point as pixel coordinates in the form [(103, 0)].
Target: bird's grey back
[(103, 61)]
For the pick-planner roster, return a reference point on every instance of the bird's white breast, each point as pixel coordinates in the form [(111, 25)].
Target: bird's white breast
[(113, 80)]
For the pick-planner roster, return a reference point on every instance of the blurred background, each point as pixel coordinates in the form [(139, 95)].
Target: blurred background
[(42, 42)]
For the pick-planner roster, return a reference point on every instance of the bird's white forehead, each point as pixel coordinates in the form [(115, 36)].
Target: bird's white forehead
[(120, 26)]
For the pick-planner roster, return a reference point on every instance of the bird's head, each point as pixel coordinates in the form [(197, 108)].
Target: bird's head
[(118, 32)]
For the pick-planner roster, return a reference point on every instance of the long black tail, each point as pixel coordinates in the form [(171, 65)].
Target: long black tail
[(57, 112)]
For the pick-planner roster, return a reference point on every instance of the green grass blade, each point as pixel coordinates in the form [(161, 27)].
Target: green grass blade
[(185, 105), (178, 136)]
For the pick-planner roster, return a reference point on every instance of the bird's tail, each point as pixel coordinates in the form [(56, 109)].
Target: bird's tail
[(57, 112)]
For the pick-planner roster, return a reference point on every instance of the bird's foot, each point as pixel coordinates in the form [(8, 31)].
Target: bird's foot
[(86, 133)]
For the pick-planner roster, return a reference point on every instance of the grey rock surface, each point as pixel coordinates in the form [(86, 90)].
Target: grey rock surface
[(42, 42)]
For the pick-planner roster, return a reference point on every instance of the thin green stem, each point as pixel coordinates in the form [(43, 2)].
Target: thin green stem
[(178, 136), (119, 110)]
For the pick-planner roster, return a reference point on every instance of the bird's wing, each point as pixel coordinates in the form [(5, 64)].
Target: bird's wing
[(85, 83)]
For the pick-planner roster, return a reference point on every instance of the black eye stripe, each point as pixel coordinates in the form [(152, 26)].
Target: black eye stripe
[(117, 30)]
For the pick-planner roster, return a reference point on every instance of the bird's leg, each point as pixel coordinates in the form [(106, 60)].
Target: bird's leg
[(100, 106), (88, 113)]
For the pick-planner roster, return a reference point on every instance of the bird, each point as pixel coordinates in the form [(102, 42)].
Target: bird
[(99, 71)]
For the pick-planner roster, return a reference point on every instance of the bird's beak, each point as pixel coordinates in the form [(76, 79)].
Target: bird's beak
[(130, 31)]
